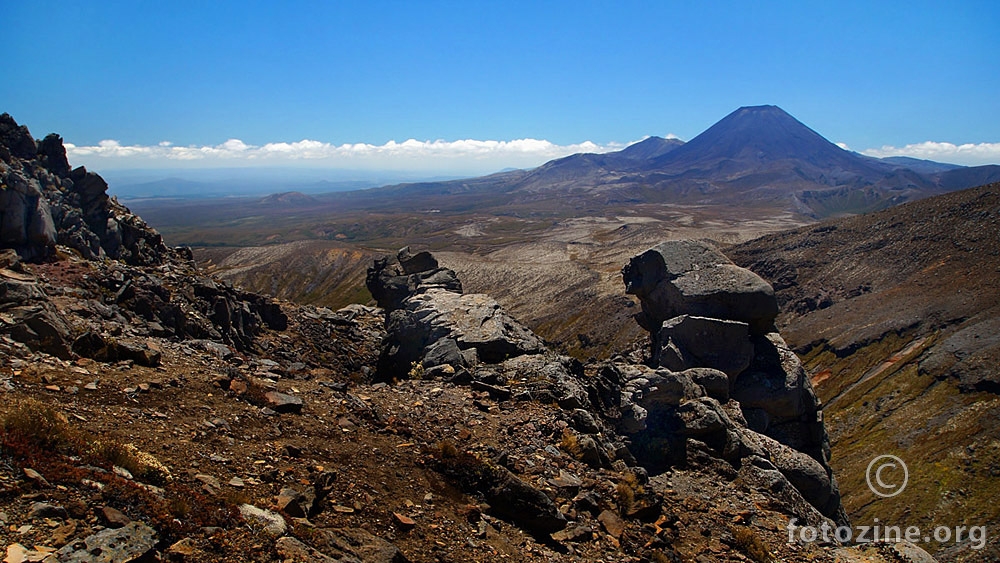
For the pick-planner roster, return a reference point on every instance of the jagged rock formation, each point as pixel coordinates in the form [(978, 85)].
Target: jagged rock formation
[(145, 289), (703, 311), (43, 203), (429, 321), (723, 383), (694, 278), (495, 448)]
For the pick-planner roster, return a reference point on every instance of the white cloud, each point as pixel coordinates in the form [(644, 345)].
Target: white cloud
[(466, 155), (462, 156), (969, 154)]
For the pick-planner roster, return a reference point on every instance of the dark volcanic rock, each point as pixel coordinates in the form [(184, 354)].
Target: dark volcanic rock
[(44, 202), (283, 402), (391, 280), (52, 155), (16, 138), (416, 263), (713, 322), (355, 544), (689, 342), (430, 322), (509, 497), (143, 285), (694, 278), (42, 328), (93, 345)]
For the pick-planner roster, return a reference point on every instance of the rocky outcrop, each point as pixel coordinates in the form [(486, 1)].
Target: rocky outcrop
[(430, 322), (15, 139), (145, 289), (704, 313), (43, 202), (391, 280), (694, 278), (722, 387), (27, 314)]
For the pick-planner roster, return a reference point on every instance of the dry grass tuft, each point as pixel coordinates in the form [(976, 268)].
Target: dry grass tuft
[(40, 425), (141, 465), (748, 541), (570, 444), (446, 450), (626, 491)]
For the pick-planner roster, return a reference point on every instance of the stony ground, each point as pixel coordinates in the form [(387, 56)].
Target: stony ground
[(896, 314), (149, 412), (191, 445)]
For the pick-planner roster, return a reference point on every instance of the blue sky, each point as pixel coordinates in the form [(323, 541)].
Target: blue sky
[(166, 84)]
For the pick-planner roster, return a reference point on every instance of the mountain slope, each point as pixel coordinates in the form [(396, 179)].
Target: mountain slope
[(896, 316), (752, 137), (919, 165), (184, 405), (759, 156), (649, 148)]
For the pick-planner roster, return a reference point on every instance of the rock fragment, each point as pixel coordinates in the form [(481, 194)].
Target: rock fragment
[(130, 543), (283, 402), (271, 522)]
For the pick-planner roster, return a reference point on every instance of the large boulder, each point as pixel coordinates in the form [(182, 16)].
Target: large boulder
[(698, 342), (16, 138), (42, 328), (430, 322), (393, 279), (720, 378), (508, 496), (694, 278), (777, 398), (473, 321), (30, 318), (133, 542), (355, 544), (433, 324)]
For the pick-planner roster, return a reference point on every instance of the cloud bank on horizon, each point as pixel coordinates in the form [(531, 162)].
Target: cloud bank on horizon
[(969, 154), (461, 156), (466, 155)]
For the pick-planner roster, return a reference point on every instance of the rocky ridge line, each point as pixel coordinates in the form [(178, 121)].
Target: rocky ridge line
[(713, 386), (508, 448)]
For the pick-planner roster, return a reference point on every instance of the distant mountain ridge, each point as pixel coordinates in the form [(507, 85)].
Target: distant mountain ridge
[(756, 155)]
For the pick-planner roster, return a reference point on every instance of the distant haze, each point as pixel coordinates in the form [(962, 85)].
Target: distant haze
[(235, 167), (252, 181), (466, 157)]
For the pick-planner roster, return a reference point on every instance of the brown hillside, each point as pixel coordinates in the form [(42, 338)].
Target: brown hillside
[(896, 314)]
